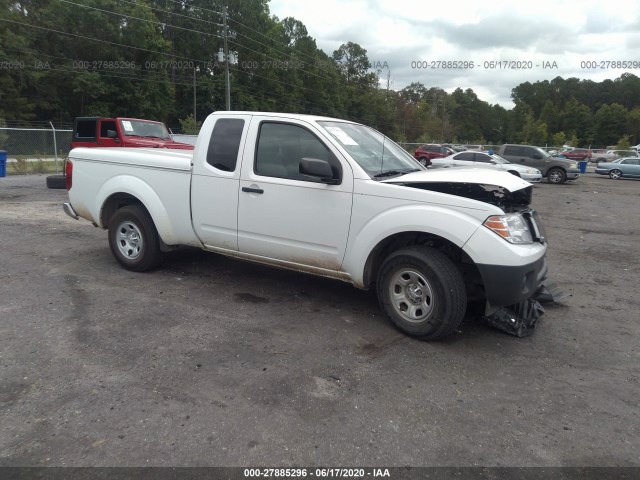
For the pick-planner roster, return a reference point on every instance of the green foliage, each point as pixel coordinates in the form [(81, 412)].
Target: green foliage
[(189, 126), (168, 51), (623, 143), (3, 135), (558, 139), (21, 165), (39, 166)]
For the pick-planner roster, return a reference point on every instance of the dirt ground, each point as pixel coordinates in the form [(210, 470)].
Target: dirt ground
[(210, 361)]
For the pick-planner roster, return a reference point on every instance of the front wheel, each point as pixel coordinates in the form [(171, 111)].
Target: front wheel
[(615, 174), (424, 161), (422, 292), (556, 175), (133, 239)]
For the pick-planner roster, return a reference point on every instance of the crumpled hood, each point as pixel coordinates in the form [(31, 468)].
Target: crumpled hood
[(498, 188), (463, 176)]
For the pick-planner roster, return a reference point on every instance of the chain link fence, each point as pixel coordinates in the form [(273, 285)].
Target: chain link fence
[(35, 142)]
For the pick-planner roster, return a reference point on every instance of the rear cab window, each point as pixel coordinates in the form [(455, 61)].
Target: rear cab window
[(224, 144), (86, 129)]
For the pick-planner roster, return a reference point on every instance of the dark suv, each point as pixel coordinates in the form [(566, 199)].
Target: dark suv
[(424, 153), (554, 169)]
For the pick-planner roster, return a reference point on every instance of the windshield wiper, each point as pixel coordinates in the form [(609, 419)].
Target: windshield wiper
[(154, 136), (391, 173)]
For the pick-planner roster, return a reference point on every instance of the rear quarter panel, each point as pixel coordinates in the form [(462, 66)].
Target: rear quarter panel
[(162, 189)]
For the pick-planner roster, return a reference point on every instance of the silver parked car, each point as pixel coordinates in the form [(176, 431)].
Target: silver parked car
[(487, 160), (628, 167)]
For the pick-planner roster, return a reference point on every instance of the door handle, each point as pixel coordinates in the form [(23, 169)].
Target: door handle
[(252, 190)]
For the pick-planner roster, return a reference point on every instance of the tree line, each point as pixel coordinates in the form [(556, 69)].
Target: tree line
[(158, 59)]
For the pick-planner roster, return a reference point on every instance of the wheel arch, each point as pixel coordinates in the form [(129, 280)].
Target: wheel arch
[(394, 242), (125, 190), (556, 167)]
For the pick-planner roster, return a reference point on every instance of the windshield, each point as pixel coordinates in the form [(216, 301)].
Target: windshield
[(141, 128), (366, 146), (498, 159)]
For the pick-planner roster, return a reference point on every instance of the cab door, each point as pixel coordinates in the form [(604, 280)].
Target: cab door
[(105, 125), (283, 214), (215, 183)]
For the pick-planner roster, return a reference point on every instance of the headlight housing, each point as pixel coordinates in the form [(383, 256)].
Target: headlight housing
[(512, 227)]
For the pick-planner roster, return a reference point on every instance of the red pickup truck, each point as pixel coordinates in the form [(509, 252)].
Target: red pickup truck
[(123, 132)]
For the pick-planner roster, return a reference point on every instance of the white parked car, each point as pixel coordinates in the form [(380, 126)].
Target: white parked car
[(612, 155), (486, 160)]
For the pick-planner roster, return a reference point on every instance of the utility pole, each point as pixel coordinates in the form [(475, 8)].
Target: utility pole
[(195, 120), (226, 56)]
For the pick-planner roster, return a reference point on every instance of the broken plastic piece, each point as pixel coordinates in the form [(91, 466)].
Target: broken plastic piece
[(519, 320), (548, 293)]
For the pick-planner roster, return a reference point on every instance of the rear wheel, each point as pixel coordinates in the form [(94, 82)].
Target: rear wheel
[(133, 239), (556, 175), (422, 292), (615, 174), (424, 161)]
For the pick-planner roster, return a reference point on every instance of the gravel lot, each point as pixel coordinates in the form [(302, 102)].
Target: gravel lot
[(214, 362)]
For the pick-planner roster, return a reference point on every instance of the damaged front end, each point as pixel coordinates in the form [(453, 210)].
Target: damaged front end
[(502, 284), (509, 201), (521, 319)]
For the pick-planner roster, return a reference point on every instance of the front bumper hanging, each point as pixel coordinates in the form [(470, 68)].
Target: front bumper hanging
[(521, 319)]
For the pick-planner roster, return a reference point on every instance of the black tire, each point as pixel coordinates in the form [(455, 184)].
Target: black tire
[(133, 239), (615, 174), (513, 172), (431, 298), (424, 161), (56, 181), (556, 175)]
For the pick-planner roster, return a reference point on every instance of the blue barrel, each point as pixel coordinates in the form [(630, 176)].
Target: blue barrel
[(3, 163), (583, 166)]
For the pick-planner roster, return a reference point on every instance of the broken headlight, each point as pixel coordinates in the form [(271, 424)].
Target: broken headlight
[(512, 227)]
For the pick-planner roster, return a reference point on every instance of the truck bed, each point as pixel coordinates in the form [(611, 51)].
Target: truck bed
[(99, 173)]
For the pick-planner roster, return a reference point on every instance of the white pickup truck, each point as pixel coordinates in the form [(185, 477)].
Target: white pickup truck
[(328, 197)]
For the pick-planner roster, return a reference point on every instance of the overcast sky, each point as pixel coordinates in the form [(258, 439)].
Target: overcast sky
[(406, 34)]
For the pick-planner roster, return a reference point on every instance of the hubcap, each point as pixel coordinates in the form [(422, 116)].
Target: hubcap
[(555, 177), (615, 174), (411, 295), (129, 240)]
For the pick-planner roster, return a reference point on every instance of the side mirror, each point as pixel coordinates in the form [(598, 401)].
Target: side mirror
[(113, 134), (537, 156), (321, 169)]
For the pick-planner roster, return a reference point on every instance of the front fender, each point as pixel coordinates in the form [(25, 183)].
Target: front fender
[(452, 225)]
